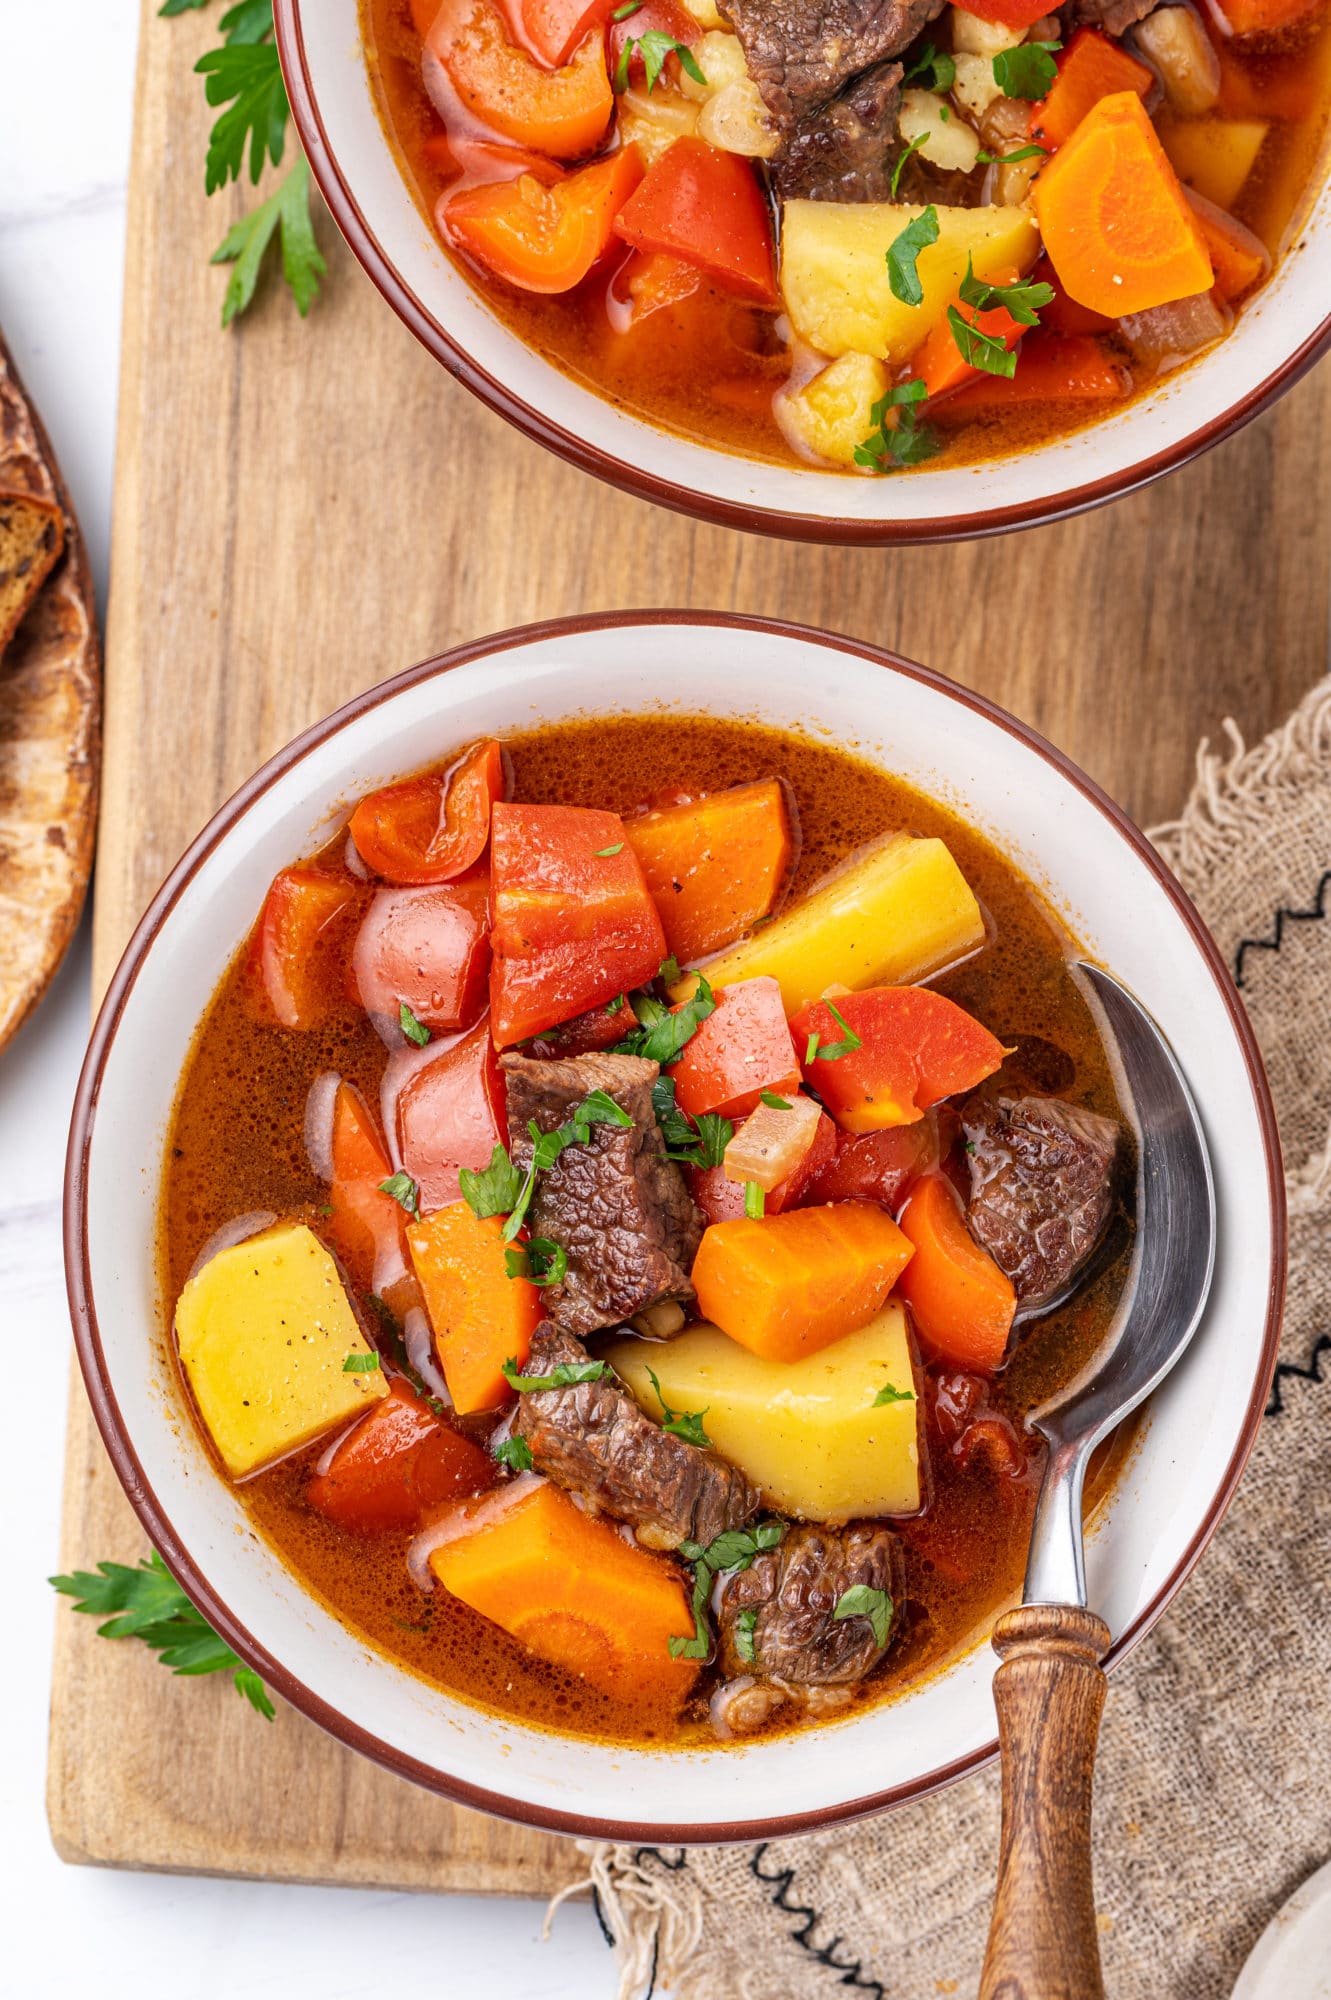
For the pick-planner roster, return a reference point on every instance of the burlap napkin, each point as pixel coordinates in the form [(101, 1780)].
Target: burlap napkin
[(1213, 1793)]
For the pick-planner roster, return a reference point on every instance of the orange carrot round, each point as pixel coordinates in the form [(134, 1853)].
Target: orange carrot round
[(562, 112), (963, 1304)]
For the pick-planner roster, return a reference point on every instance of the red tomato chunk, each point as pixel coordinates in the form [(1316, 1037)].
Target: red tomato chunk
[(450, 1115), (399, 1461), (431, 829), (915, 1047), (300, 935), (742, 1049)]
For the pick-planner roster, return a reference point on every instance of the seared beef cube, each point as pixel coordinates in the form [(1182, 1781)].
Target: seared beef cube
[(593, 1439), (803, 53), (617, 1205), (1112, 17), (795, 1589), (1042, 1187), (840, 151)]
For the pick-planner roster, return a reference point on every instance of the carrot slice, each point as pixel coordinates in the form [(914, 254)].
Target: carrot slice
[(366, 1224), (795, 1282), (963, 1304), (398, 1461), (569, 1589), (544, 236), (480, 1316), (1052, 368), (1114, 217), (562, 112), (717, 865), (1091, 67), (431, 829)]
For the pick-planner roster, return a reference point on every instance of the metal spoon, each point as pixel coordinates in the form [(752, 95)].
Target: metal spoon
[(1050, 1690)]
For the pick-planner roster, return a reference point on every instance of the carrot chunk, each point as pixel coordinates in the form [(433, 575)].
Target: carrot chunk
[(742, 1049), (398, 1461), (1114, 217), (562, 112), (480, 1316), (569, 1589), (1051, 368), (795, 1282), (717, 865), (431, 829), (540, 235), (963, 1304), (1238, 258), (366, 1224), (895, 1051), (1091, 67)]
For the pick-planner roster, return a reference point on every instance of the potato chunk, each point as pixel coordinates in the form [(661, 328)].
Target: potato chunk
[(833, 413), (265, 1329), (809, 1433), (900, 912), (1214, 155), (834, 273)]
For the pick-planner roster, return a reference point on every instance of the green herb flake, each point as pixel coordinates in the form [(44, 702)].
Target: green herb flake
[(862, 1601), (515, 1453), (655, 47), (144, 1601), (888, 447), (361, 1364), (1010, 159), (606, 853), (565, 1375), (246, 244), (833, 1051), (775, 1103), (755, 1201), (1025, 301), (414, 1030), (540, 1262), (733, 1550), (744, 1645), (685, 1424), (901, 160), (889, 1394), (1027, 71), (663, 1031), (932, 70), (404, 1192), (495, 1189), (903, 252)]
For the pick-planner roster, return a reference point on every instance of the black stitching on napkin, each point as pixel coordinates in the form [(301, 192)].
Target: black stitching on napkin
[(1284, 914), (826, 1955), (1290, 1371)]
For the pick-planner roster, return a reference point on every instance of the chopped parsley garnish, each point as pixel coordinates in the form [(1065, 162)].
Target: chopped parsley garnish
[(744, 1625), (360, 1364), (686, 1424), (990, 351), (755, 1201), (404, 1192), (655, 47), (515, 1453), (540, 1262), (500, 1189), (699, 1142), (414, 1030), (663, 1031), (493, 1191), (902, 158), (818, 1051), (1010, 159), (889, 1394), (902, 253), (735, 1549), (605, 853), (613, 1006), (1027, 71), (863, 1601), (932, 70), (890, 446), (770, 1098), (629, 7), (669, 974), (564, 1375), (144, 1601)]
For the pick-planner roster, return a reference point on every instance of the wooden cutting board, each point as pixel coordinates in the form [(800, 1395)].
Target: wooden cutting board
[(302, 509)]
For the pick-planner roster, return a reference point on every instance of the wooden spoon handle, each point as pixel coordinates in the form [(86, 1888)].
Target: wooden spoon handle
[(1049, 1693)]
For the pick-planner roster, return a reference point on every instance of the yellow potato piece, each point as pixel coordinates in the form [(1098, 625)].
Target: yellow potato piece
[(900, 912), (264, 1330), (808, 1433), (834, 274), (833, 413), (1214, 155)]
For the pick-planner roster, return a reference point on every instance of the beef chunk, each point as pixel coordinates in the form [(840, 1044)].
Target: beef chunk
[(839, 152), (617, 1205), (803, 53), (1112, 17), (795, 1589), (594, 1440), (1042, 1174)]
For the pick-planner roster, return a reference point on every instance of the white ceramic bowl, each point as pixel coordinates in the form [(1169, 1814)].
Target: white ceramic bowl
[(1097, 871), (1277, 337)]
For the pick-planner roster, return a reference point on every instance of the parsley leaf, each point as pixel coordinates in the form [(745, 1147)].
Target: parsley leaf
[(1027, 71), (540, 1262), (246, 244), (887, 447), (902, 158), (902, 253), (654, 47), (404, 1192), (1010, 159), (493, 1191), (770, 1097), (1023, 300), (360, 1364), (414, 1030), (981, 350), (669, 975), (932, 70), (629, 7), (755, 1201), (888, 1394), (862, 1601), (515, 1453), (686, 1424), (247, 77), (700, 1645), (144, 1601), (833, 1051), (734, 1550), (699, 1142), (605, 853), (597, 1108), (663, 1032), (744, 1645), (564, 1375)]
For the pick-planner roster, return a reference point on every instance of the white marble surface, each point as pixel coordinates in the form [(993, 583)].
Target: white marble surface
[(64, 143)]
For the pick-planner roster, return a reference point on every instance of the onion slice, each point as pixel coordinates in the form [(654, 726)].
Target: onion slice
[(319, 1123), (420, 1353), (770, 1144), (238, 1230), (465, 1517)]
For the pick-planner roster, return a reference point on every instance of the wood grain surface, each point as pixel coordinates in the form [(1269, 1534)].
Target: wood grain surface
[(304, 508)]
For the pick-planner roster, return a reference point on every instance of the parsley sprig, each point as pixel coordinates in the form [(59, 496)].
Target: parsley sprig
[(500, 1189), (905, 442), (932, 70), (685, 1424), (990, 351), (1028, 71), (564, 1375), (144, 1601), (903, 252), (654, 47), (243, 82), (515, 1453), (540, 1261), (902, 158), (733, 1550), (863, 1601), (889, 1393), (694, 1142), (820, 1051), (662, 1031)]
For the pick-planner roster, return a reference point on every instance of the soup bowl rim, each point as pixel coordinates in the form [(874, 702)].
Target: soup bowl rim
[(112, 1425), (336, 184)]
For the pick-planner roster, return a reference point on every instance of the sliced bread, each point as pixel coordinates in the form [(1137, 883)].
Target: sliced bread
[(32, 536)]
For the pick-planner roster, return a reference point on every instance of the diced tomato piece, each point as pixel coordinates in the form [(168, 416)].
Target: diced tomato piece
[(1006, 13), (742, 1049), (399, 1461), (962, 1303), (878, 1166), (450, 1115), (573, 924), (366, 1224), (705, 206), (298, 947), (650, 280), (721, 1199), (539, 234), (1063, 314), (1089, 68), (429, 947), (916, 1047), (550, 30), (433, 828), (422, 16)]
